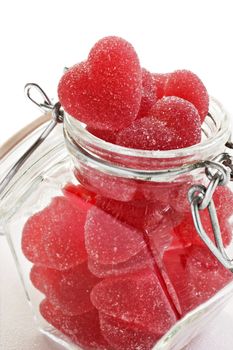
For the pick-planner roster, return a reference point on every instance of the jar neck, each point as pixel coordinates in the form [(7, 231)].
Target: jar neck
[(149, 165)]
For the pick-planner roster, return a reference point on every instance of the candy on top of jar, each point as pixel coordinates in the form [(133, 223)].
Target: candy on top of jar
[(149, 93), (110, 91), (187, 85), (171, 123), (104, 92)]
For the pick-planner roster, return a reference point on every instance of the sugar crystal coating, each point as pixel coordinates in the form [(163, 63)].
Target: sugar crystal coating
[(180, 116), (108, 240), (106, 135), (105, 91), (63, 235), (55, 236), (121, 336), (106, 185), (135, 298), (80, 195), (148, 133), (149, 93), (138, 262), (187, 85), (84, 329), (67, 290), (138, 214), (196, 275), (32, 241), (160, 81), (223, 199)]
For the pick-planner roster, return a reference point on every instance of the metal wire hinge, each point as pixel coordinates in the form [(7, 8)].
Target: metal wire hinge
[(219, 172), (57, 117)]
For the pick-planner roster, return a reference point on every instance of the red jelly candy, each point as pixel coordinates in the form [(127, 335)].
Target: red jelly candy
[(173, 194), (108, 240), (83, 330), (160, 83), (110, 186), (119, 334), (161, 234), (188, 234), (138, 262), (179, 195), (149, 93), (68, 290), (106, 135), (180, 116), (148, 133), (32, 240), (196, 275), (223, 199), (138, 214), (207, 274), (55, 236), (158, 192), (187, 85), (174, 262), (106, 89), (135, 298), (84, 196)]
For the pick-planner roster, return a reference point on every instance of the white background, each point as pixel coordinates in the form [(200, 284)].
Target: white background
[(39, 38)]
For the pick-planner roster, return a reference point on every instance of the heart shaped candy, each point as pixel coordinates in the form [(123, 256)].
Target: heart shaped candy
[(105, 91)]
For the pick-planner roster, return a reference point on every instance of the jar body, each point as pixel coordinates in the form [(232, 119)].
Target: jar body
[(110, 261)]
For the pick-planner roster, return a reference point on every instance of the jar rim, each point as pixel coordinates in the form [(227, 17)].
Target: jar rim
[(83, 136)]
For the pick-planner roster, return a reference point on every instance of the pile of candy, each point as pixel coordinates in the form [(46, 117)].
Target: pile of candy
[(110, 269), (119, 265), (125, 104)]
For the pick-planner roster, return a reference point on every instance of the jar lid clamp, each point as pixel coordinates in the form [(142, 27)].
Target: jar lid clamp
[(219, 172)]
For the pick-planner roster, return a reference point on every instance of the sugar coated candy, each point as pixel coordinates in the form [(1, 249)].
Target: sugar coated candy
[(68, 290), (84, 330), (105, 91), (121, 336), (110, 241), (136, 213), (138, 262), (160, 81), (196, 275), (115, 187), (55, 236), (223, 199), (173, 123), (181, 117), (148, 133), (137, 299), (80, 195), (149, 93), (187, 85), (32, 239), (106, 135)]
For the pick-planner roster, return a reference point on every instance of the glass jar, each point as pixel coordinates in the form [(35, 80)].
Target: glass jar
[(105, 243)]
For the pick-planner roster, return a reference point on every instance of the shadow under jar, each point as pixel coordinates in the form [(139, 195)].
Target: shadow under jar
[(105, 243)]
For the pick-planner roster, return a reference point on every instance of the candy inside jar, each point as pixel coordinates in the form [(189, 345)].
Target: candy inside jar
[(106, 244)]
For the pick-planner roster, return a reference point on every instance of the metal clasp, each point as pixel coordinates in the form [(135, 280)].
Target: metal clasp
[(219, 172), (57, 117)]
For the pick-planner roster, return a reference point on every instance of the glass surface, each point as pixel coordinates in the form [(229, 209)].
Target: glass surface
[(107, 238)]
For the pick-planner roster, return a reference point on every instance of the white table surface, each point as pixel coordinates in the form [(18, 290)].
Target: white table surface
[(18, 332)]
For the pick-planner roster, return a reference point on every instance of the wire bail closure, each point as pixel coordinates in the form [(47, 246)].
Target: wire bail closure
[(201, 197)]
